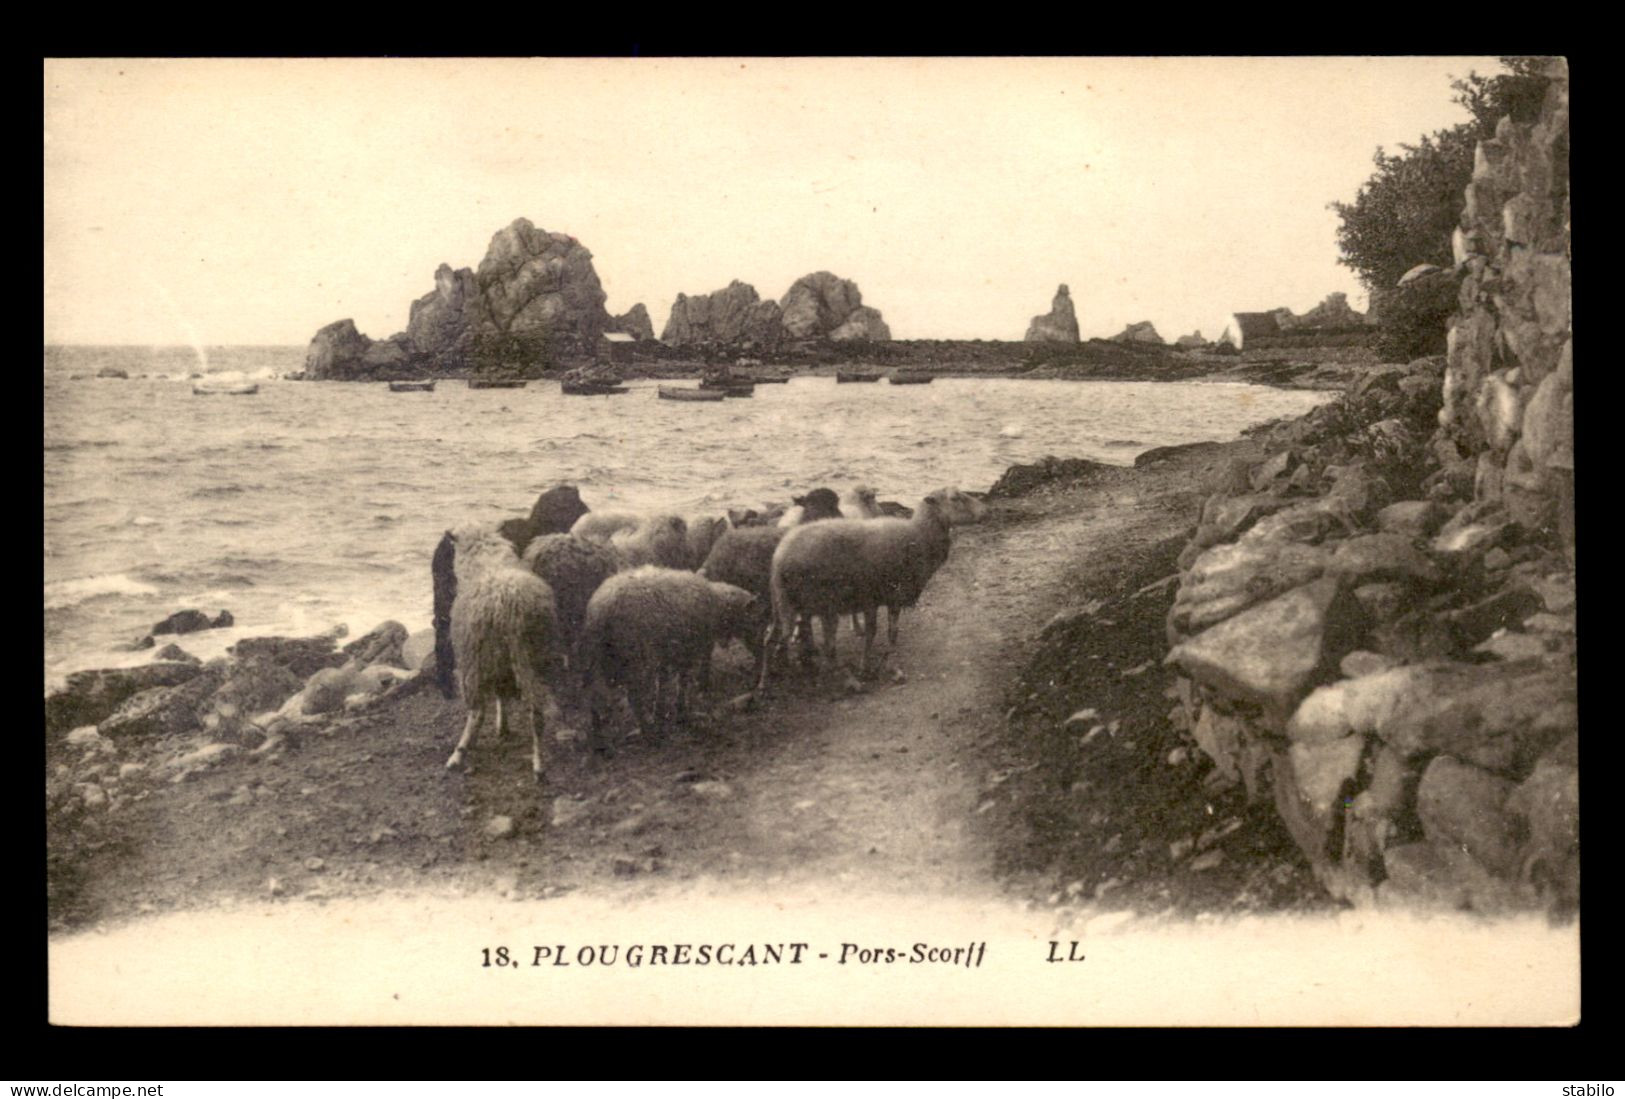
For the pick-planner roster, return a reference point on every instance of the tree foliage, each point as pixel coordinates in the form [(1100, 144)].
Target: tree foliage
[(1405, 213)]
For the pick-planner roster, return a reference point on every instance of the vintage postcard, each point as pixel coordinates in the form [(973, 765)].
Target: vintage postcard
[(756, 541)]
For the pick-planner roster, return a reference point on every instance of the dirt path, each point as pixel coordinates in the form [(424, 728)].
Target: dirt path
[(889, 789)]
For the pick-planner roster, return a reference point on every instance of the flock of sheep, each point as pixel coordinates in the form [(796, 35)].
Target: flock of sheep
[(575, 603)]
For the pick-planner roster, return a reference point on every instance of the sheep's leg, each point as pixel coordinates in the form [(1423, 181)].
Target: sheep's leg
[(804, 631), (476, 714), (535, 700), (871, 619), (831, 621), (766, 657), (602, 704), (891, 625)]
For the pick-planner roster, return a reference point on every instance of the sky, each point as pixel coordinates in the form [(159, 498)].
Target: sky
[(197, 201)]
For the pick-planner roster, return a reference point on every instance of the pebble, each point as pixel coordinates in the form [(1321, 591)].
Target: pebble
[(1207, 861), (83, 737), (273, 886), (125, 770), (716, 791), (499, 827), (1089, 714), (1180, 848), (1178, 756), (315, 864)]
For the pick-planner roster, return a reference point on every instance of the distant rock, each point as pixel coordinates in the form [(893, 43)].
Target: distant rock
[(187, 621), (1059, 325), (634, 322), (532, 281), (825, 305), (1194, 341), (112, 372), (335, 351), (533, 285), (1141, 332), (734, 316)]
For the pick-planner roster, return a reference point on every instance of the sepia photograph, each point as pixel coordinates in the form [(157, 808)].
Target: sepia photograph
[(1050, 541)]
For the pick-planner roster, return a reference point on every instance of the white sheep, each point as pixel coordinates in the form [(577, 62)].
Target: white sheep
[(860, 565), (650, 627), (640, 539), (504, 632)]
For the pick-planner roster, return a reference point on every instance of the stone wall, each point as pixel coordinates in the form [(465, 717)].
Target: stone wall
[(1375, 624)]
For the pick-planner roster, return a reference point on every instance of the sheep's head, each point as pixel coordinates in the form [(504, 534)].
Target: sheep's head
[(557, 509), (954, 507), (736, 603), (820, 503), (865, 496), (742, 517)]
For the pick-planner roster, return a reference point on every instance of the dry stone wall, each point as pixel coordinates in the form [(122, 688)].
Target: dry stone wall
[(1375, 625)]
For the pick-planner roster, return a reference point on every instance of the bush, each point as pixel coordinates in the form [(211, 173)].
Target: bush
[(1413, 319)]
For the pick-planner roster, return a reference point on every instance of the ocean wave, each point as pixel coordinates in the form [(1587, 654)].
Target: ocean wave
[(60, 594)]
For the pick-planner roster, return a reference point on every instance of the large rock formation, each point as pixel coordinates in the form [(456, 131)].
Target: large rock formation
[(535, 293), (1141, 332), (823, 305), (1334, 312), (1194, 341), (335, 351), (817, 306), (1059, 325), (733, 316), (634, 322)]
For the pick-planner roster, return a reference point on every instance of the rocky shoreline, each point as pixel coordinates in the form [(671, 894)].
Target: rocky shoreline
[(1449, 615)]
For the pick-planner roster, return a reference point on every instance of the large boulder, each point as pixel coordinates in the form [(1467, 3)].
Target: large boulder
[(533, 282), (732, 316), (1059, 325), (822, 304), (1271, 654), (91, 696), (335, 352), (441, 321), (1140, 332), (1334, 312)]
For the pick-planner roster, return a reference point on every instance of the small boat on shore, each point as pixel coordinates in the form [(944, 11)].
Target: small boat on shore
[(910, 377), (592, 389), (776, 380), (733, 387), (495, 383), (680, 393), (411, 387), (234, 389), (842, 376)]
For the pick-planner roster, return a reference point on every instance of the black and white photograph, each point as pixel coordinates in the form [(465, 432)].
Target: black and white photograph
[(1029, 541)]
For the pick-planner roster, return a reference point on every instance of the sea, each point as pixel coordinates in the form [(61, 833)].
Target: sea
[(312, 505)]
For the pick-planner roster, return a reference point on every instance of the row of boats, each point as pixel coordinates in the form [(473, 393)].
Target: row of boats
[(714, 388)]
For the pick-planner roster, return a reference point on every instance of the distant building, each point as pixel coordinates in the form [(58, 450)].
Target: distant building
[(617, 346)]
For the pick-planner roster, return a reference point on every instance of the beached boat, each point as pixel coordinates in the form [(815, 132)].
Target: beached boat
[(679, 393), (411, 387), (842, 376), (236, 389), (777, 380), (592, 389), (910, 377), (731, 387), (495, 383)]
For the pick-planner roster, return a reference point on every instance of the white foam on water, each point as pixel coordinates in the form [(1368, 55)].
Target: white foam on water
[(70, 593)]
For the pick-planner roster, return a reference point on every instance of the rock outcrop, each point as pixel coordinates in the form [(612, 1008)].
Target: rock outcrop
[(1140, 332), (1194, 341), (534, 293), (634, 322), (734, 316), (824, 305), (817, 306), (1059, 325), (1334, 312)]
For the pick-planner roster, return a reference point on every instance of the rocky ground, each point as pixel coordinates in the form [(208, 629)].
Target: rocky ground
[(1017, 740)]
